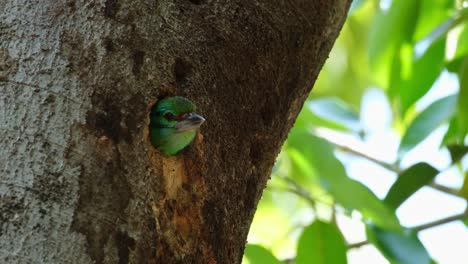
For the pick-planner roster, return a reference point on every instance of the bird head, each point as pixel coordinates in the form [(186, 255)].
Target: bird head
[(177, 113), (173, 124)]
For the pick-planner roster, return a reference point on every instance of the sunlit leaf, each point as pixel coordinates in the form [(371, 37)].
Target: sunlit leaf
[(434, 19), (307, 119), (333, 178), (452, 137), (353, 195), (336, 111), (402, 68), (439, 31), (462, 43), (276, 209), (458, 33), (399, 247), (464, 188), (428, 120), (321, 243), (424, 73), (389, 30), (257, 254), (462, 110), (396, 78), (408, 182), (302, 171)]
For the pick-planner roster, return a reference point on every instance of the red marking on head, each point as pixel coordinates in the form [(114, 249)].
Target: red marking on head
[(181, 117)]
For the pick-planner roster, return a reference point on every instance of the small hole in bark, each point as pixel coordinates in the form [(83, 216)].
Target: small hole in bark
[(138, 59), (255, 153), (72, 5), (109, 45), (267, 113), (106, 122), (197, 2), (124, 243), (181, 70), (110, 8)]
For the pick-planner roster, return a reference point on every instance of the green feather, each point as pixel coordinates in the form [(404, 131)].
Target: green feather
[(171, 129)]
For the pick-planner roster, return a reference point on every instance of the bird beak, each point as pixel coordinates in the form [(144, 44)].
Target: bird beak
[(191, 121)]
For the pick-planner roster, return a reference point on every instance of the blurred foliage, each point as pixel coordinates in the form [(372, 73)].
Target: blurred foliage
[(401, 48)]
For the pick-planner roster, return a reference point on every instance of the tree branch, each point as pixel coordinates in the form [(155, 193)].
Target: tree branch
[(441, 221), (298, 190), (390, 167), (358, 244), (422, 227), (445, 189)]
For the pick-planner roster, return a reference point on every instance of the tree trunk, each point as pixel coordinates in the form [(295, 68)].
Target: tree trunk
[(80, 182)]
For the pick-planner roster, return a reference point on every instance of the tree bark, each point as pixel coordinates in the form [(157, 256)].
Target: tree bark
[(80, 182)]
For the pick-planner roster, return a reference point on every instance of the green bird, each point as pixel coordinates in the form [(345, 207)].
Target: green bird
[(173, 124)]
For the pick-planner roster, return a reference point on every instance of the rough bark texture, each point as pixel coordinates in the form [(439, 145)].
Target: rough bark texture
[(80, 182)]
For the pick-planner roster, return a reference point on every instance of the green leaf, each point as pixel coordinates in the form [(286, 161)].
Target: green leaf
[(425, 72), (460, 31), (321, 243), (428, 120), (353, 195), (332, 177), (462, 111), (457, 152), (451, 136), (440, 30), (336, 111), (434, 19), (302, 171), (462, 43), (454, 65), (399, 247), (389, 30), (257, 254), (464, 188), (398, 63), (408, 182), (307, 118)]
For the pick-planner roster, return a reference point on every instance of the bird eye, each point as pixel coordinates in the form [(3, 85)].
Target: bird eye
[(169, 116)]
